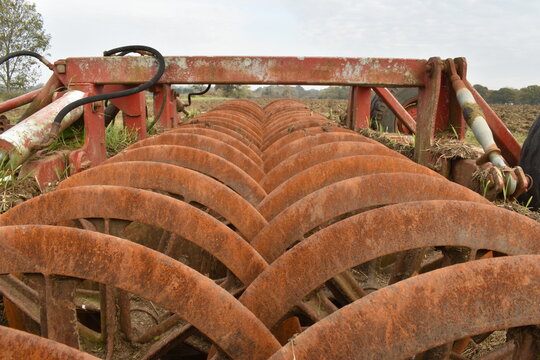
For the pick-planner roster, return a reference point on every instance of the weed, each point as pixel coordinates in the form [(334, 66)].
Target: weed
[(14, 188), (70, 139), (118, 138), (454, 131), (485, 187)]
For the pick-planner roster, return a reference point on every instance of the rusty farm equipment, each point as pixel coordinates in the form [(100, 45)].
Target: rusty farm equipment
[(251, 232)]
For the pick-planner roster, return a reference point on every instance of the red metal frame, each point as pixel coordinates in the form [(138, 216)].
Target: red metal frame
[(438, 109)]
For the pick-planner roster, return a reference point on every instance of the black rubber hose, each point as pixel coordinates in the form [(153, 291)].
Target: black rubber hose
[(197, 93), (160, 112), (14, 54), (123, 50), (110, 113)]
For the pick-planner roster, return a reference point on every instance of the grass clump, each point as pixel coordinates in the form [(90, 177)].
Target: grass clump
[(118, 138), (15, 189)]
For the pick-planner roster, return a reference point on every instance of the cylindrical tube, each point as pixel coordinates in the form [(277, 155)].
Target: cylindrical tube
[(19, 141), (18, 101)]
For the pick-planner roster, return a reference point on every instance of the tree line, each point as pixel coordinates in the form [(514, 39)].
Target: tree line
[(272, 91), (529, 95)]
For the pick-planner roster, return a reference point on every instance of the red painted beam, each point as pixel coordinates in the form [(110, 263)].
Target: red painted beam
[(18, 101), (510, 147), (246, 70)]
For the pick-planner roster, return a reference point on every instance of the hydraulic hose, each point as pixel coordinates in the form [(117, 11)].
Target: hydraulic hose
[(14, 54), (160, 112), (197, 93), (122, 50)]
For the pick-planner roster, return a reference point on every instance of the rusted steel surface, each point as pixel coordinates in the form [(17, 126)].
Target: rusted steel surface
[(208, 144), (300, 125), (244, 106), (210, 122), (348, 196), (361, 238), (290, 118), (428, 103), (191, 185), (273, 159), (199, 160), (291, 123), (246, 123), (318, 154), (335, 199), (16, 344), (239, 135), (141, 271), (330, 172), (253, 153), (235, 113), (248, 70), (458, 309), (115, 202), (285, 138)]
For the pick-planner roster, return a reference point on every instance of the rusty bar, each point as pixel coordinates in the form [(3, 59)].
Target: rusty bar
[(398, 109), (271, 145), (237, 133), (248, 70), (25, 298), (208, 144), (59, 316), (273, 159), (146, 207), (428, 100), (331, 171), (465, 299), (317, 154), (202, 161), (348, 196), (179, 181), (18, 101), (120, 263), (21, 345), (44, 97), (253, 153), (361, 238)]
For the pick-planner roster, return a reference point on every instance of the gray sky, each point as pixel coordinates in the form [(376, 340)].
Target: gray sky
[(500, 39)]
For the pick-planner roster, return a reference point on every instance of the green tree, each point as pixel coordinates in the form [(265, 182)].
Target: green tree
[(234, 90), (482, 90), (21, 28), (530, 95), (504, 96), (334, 92)]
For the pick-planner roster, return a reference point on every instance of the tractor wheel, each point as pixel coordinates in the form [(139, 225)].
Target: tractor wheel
[(384, 118)]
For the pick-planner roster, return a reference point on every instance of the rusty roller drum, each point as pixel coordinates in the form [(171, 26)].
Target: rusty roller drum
[(289, 203)]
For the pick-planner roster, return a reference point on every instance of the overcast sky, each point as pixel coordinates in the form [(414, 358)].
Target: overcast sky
[(500, 39)]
